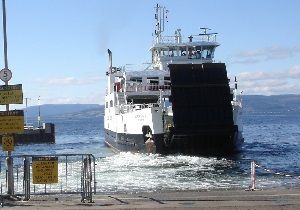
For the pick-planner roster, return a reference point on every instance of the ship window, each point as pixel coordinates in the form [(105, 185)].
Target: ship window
[(207, 53), (111, 103), (198, 54), (136, 79), (152, 80), (164, 52), (167, 81), (191, 52), (106, 105), (174, 53)]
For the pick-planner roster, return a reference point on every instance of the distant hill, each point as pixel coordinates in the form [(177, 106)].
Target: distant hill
[(61, 109), (251, 104), (273, 103)]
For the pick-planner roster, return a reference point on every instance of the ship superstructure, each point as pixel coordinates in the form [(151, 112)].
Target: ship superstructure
[(181, 102)]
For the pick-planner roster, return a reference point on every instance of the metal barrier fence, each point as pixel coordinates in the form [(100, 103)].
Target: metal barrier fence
[(76, 175)]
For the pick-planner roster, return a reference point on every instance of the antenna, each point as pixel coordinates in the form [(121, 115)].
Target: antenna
[(235, 83), (39, 116), (26, 115), (209, 35), (160, 17), (205, 30)]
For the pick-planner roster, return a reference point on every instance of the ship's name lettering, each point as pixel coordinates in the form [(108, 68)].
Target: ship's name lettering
[(140, 116)]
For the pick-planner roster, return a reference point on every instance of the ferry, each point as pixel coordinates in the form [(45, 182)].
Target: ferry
[(181, 102)]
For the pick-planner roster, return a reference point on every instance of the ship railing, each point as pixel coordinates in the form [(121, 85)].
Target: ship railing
[(136, 67), (205, 38), (143, 88), (196, 38)]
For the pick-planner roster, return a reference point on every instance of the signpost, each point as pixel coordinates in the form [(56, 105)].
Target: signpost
[(5, 75), (11, 94), (11, 121), (8, 143), (44, 170)]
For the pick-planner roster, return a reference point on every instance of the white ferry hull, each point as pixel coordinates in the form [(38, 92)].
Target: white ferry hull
[(194, 144)]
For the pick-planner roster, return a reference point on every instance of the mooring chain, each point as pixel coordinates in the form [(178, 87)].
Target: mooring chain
[(276, 173)]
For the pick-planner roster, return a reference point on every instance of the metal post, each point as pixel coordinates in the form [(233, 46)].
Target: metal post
[(17, 177), (10, 174), (27, 178), (66, 172), (83, 194), (253, 175), (87, 178), (2, 200), (4, 35), (95, 182), (9, 159), (90, 179)]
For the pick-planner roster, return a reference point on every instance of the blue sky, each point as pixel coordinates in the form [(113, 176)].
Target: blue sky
[(58, 48)]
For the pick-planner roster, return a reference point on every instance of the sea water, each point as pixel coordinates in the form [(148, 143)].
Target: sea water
[(271, 139)]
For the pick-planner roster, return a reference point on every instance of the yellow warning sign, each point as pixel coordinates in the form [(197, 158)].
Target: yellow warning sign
[(11, 121), (8, 143), (11, 94), (44, 170)]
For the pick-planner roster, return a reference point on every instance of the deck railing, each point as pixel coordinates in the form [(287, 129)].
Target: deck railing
[(143, 88)]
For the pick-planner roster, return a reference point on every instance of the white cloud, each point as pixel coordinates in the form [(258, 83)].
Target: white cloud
[(71, 81), (63, 81), (92, 98), (265, 54), (294, 72), (249, 76), (269, 88), (270, 83)]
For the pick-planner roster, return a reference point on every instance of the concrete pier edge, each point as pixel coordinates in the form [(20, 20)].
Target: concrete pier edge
[(217, 199)]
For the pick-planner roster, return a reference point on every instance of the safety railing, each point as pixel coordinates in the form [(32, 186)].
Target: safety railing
[(143, 88), (76, 175)]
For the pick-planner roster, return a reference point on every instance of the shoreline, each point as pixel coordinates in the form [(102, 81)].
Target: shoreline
[(275, 198)]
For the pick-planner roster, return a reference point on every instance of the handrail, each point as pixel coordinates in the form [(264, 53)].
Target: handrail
[(196, 38), (142, 88)]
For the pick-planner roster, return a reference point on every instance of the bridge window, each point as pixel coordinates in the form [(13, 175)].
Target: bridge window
[(152, 80), (136, 79), (183, 53), (167, 78), (167, 82), (207, 52), (164, 52)]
